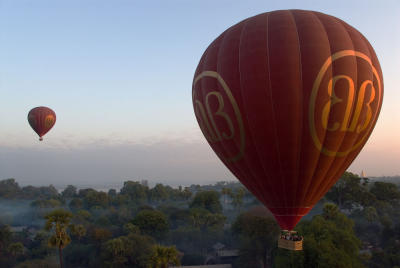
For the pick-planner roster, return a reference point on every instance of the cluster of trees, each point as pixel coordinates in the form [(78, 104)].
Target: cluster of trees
[(160, 226), (375, 209)]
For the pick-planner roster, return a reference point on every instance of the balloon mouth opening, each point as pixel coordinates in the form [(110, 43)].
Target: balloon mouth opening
[(40, 138), (288, 217)]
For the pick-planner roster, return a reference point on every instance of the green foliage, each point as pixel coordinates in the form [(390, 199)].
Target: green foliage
[(58, 221), (389, 255), (176, 216), (185, 194), (349, 192), (39, 246), (50, 203), (127, 251), (237, 197), (329, 240), (257, 238), (96, 199), (370, 214), (5, 241), (163, 256), (75, 204), (192, 259), (189, 239), (9, 189), (100, 235), (204, 219), (49, 262), (77, 230), (112, 193), (82, 216), (69, 192), (152, 222), (107, 234), (159, 193), (14, 251), (131, 228), (385, 191), (5, 237), (208, 200), (31, 192), (82, 193), (136, 192), (287, 258), (80, 255)]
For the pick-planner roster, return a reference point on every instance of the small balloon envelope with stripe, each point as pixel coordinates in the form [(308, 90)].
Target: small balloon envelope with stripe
[(41, 119)]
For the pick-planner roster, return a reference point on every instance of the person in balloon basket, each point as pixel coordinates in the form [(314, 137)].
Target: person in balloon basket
[(289, 236)]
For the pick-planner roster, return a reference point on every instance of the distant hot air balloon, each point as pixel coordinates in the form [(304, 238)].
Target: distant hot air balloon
[(41, 119), (287, 99)]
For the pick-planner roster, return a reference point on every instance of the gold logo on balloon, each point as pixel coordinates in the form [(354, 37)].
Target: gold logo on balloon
[(207, 116), (49, 121), (354, 102)]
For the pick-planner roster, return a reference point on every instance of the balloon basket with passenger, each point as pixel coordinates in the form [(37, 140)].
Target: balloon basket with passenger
[(290, 240)]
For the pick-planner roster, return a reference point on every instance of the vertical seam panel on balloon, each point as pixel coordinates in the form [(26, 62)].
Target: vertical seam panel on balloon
[(316, 165), (218, 84), (344, 158), (273, 117), (299, 145), (260, 187), (381, 92), (255, 181), (240, 88), (223, 147), (40, 123), (202, 93), (327, 181)]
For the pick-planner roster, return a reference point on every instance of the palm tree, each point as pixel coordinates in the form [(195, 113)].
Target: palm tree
[(58, 221), (15, 249), (164, 256), (117, 250)]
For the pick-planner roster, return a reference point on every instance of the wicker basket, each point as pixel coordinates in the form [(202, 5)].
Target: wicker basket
[(290, 244)]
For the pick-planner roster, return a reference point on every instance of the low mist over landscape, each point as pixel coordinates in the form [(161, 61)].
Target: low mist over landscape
[(358, 220)]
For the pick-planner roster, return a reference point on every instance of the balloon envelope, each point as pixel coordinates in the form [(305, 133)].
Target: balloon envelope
[(287, 99), (41, 119)]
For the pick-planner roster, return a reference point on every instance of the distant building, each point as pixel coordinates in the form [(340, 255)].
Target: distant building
[(363, 175), (222, 255), (144, 183)]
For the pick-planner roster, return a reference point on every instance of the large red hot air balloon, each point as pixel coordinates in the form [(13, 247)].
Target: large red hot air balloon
[(41, 119), (287, 99)]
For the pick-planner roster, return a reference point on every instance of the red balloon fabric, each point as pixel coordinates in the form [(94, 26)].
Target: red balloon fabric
[(41, 119), (287, 99)]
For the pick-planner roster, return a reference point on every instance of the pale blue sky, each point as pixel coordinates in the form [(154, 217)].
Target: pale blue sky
[(120, 72)]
